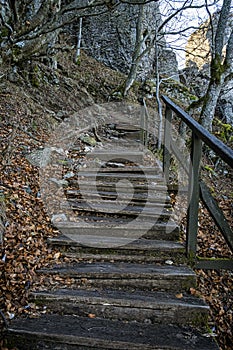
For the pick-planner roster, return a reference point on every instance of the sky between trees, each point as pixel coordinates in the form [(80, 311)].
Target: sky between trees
[(189, 20)]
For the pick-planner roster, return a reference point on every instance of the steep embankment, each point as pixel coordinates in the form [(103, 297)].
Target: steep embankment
[(32, 101)]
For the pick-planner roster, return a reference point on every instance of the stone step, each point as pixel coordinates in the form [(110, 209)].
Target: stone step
[(99, 248), (70, 332), (127, 276), (150, 307), (114, 227)]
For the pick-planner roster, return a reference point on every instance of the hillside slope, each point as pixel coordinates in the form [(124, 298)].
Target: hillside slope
[(33, 100)]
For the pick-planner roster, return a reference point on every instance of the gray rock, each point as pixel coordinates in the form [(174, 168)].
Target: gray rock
[(69, 175), (89, 140), (59, 218), (197, 72), (40, 158), (110, 38), (58, 182)]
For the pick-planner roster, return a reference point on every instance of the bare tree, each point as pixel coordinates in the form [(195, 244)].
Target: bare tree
[(136, 58), (30, 28), (79, 39), (221, 66)]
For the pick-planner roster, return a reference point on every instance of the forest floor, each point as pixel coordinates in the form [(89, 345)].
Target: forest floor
[(31, 105)]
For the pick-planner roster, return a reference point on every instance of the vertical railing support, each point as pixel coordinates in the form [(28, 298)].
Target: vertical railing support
[(142, 121), (167, 143), (194, 194)]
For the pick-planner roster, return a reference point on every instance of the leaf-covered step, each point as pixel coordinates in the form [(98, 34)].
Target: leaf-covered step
[(71, 332), (150, 307), (127, 275)]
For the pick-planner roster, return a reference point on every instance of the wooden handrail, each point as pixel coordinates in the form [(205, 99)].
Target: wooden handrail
[(197, 189), (210, 140)]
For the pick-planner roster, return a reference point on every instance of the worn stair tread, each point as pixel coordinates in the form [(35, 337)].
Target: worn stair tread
[(106, 168), (151, 187), (127, 127), (117, 224), (113, 227), (97, 333), (134, 299), (119, 154), (99, 248), (137, 197), (117, 201), (120, 257), (154, 307), (108, 176), (106, 208), (120, 270), (140, 244), (93, 200), (118, 227)]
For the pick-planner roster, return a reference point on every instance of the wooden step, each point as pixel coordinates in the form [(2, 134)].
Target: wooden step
[(151, 307), (127, 127), (120, 155), (99, 248), (97, 200), (70, 332), (122, 168), (128, 276), (129, 210), (117, 227), (113, 176), (122, 186), (157, 197)]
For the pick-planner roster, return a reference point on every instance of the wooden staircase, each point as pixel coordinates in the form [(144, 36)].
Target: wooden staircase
[(130, 279)]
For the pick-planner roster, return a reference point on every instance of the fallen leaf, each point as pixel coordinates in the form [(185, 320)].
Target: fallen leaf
[(179, 296)]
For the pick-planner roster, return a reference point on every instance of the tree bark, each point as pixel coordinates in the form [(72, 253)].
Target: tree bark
[(136, 54), (219, 67)]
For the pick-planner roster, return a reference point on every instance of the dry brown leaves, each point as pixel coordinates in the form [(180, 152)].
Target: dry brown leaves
[(25, 221)]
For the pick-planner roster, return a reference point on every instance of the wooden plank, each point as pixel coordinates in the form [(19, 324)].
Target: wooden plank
[(216, 214), (167, 143), (222, 150), (214, 264), (192, 220)]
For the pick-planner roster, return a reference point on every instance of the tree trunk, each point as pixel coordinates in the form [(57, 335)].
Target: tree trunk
[(219, 67), (136, 54), (209, 106), (78, 48)]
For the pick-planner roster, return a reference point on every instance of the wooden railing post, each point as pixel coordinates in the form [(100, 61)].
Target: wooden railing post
[(194, 193), (142, 121), (167, 143), (197, 189)]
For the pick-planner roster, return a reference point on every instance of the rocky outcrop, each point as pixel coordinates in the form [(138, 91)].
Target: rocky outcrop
[(110, 38), (197, 71)]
